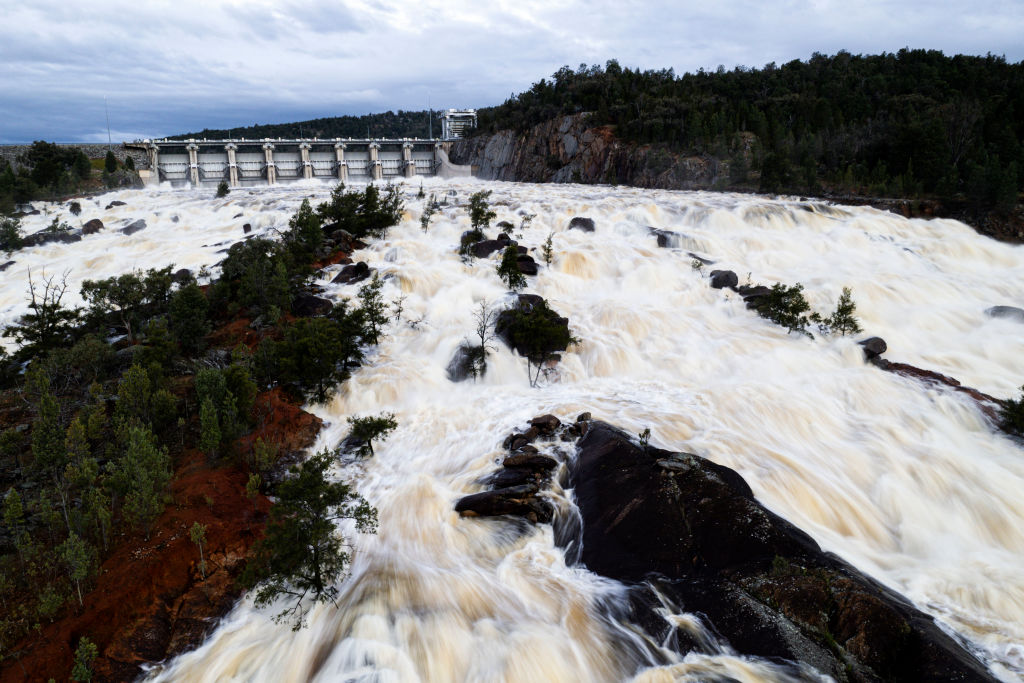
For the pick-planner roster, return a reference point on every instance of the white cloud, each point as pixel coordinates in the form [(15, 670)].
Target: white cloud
[(169, 67)]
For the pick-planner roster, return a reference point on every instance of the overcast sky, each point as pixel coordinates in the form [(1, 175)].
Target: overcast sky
[(182, 65)]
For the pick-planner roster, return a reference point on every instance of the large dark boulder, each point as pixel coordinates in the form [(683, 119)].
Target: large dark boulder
[(518, 338), (720, 279), (5, 266), (355, 272), (465, 363), (873, 347), (114, 203), (582, 223), (134, 227), (92, 226), (485, 248), (693, 529), (342, 238), (306, 305), (526, 264)]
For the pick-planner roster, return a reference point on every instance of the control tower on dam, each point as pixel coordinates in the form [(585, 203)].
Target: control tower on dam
[(244, 162)]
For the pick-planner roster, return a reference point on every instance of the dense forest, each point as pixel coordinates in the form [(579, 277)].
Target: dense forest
[(910, 124), (404, 124), (50, 171), (100, 405)]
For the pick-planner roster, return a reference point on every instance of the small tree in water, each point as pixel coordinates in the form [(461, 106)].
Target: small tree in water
[(222, 189), (302, 556), (842, 319), (366, 429), (508, 269)]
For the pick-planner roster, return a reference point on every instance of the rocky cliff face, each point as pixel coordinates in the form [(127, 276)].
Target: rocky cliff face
[(565, 150)]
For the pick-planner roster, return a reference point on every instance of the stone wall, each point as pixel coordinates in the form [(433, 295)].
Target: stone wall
[(93, 151)]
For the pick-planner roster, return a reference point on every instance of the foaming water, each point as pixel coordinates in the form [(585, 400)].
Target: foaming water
[(909, 483)]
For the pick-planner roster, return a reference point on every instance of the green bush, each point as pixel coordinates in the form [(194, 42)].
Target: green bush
[(222, 188), (508, 269)]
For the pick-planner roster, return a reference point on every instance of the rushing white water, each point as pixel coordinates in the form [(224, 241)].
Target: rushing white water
[(908, 483)]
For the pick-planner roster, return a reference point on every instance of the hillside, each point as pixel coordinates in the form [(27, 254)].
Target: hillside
[(911, 124)]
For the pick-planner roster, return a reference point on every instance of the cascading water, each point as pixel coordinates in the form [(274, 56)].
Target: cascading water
[(909, 483)]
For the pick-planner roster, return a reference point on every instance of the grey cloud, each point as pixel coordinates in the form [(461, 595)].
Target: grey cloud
[(173, 67)]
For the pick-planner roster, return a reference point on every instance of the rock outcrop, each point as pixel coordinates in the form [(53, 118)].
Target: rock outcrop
[(566, 149), (693, 529)]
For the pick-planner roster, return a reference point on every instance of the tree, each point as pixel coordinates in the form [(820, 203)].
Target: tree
[(366, 429), (129, 162), (49, 324), (429, 209), (480, 214), (302, 556), (843, 320), (140, 474), (85, 655), (548, 251), (197, 533), (538, 333), (363, 214), (372, 310), (189, 311), (222, 188), (80, 559), (10, 234), (110, 162), (129, 297), (209, 429), (48, 450), (508, 269), (315, 353)]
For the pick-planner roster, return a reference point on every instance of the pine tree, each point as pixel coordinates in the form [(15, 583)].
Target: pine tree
[(209, 429), (372, 310), (302, 556)]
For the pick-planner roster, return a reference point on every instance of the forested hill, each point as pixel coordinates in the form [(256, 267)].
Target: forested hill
[(911, 124), (404, 124)]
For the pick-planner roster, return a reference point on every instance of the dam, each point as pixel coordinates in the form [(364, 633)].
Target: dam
[(241, 162)]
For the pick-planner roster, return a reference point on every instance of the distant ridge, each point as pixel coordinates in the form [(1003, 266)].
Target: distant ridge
[(389, 124)]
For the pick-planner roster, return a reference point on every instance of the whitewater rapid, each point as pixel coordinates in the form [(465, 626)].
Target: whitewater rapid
[(909, 483)]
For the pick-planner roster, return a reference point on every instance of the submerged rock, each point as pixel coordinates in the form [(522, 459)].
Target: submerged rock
[(356, 272), (873, 347), (134, 227), (92, 226), (1009, 312), (720, 279), (582, 223)]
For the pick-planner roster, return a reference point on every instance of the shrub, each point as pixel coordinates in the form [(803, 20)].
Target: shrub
[(1012, 415), (786, 306), (222, 188)]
